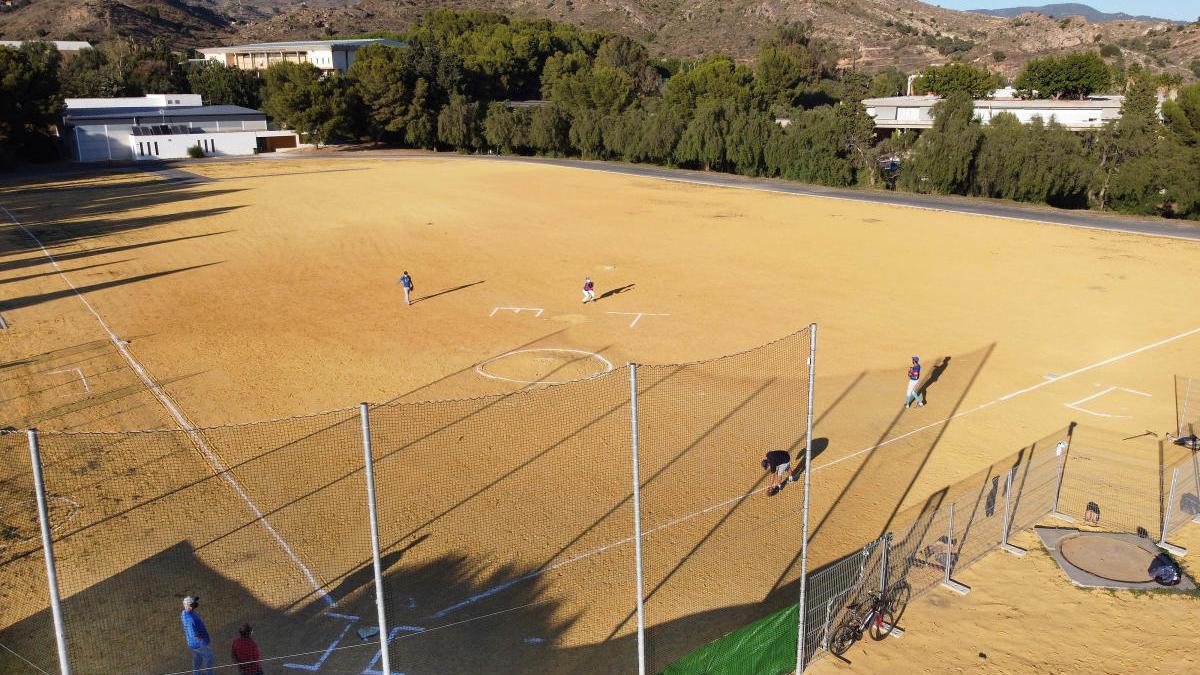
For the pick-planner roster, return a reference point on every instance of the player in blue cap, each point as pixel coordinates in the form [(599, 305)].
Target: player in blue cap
[(914, 379)]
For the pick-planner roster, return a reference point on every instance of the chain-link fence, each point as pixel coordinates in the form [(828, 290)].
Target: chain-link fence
[(1187, 406), (507, 529)]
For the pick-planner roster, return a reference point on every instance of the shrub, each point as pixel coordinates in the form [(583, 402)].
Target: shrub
[(999, 56), (1110, 51), (195, 152)]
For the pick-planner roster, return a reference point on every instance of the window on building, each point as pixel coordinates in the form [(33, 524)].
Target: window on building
[(156, 148)]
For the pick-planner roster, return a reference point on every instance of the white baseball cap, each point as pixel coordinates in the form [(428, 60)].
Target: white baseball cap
[(191, 601)]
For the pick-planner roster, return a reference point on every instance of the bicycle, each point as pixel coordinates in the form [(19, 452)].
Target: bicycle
[(878, 620)]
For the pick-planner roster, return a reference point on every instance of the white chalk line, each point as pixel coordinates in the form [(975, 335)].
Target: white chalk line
[(596, 551), (182, 421), (608, 366), (77, 371)]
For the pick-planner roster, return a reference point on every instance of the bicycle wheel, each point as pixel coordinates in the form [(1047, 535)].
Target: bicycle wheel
[(882, 624), (843, 637)]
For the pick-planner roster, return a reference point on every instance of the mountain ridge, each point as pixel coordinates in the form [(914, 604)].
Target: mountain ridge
[(1065, 9)]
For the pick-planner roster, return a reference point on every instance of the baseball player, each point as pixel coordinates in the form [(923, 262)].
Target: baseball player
[(914, 379)]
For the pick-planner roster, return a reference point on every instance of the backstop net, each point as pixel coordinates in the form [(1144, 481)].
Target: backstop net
[(1187, 406), (718, 552)]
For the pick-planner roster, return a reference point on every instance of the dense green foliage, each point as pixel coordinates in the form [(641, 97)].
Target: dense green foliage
[(1071, 76), (482, 82), (955, 78), (29, 101)]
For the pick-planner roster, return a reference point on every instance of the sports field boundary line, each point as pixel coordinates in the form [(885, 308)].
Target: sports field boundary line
[(185, 425), (816, 467)]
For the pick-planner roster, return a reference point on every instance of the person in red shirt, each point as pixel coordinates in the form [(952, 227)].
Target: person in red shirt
[(245, 653)]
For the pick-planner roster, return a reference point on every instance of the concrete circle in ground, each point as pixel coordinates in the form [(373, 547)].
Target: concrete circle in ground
[(544, 365), (1107, 557)]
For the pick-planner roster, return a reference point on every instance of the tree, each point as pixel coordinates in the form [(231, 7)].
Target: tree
[(716, 79), (29, 101), (1072, 76), (944, 156), (587, 133), (703, 142), (955, 78), (857, 130), (1032, 162), (1182, 116), (506, 128), (218, 84), (549, 129), (890, 82), (458, 124), (749, 134), (1122, 152), (296, 96), (811, 150)]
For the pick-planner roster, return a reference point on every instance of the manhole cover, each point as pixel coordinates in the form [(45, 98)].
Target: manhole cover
[(1107, 557)]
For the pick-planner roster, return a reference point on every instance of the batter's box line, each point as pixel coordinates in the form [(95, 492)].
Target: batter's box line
[(396, 630), (517, 310), (77, 371), (1078, 405), (637, 316)]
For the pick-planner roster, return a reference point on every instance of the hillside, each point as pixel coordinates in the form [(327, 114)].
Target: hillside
[(1063, 10), (869, 34)]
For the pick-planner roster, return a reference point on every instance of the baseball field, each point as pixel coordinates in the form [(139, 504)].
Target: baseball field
[(269, 290)]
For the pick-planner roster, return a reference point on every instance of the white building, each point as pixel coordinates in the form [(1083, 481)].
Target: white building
[(913, 112), (164, 126), (327, 55)]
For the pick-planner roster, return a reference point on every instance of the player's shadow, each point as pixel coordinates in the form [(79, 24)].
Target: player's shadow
[(615, 291), (446, 291), (934, 376)]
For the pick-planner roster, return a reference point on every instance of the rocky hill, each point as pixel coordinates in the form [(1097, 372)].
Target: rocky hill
[(1065, 9), (869, 34)]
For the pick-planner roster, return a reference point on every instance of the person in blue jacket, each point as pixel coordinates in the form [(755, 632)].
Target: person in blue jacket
[(914, 380), (197, 638)]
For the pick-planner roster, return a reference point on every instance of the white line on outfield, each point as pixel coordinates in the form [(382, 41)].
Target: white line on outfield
[(1019, 392), (596, 551), (182, 421)]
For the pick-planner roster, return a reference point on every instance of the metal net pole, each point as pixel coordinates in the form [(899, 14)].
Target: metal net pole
[(1166, 524), (801, 607), (60, 634), (370, 475), (637, 520)]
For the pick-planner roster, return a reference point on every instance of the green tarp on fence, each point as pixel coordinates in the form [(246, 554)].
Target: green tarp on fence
[(765, 647)]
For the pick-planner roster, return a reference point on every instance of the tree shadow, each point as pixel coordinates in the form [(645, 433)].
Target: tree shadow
[(41, 259), (38, 298)]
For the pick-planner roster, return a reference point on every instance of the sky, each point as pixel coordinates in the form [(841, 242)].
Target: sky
[(1183, 10)]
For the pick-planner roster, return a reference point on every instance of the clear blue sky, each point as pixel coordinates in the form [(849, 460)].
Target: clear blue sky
[(1183, 10)]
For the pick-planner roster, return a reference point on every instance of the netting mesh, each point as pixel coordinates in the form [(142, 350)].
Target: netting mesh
[(1187, 405), (1114, 482), (27, 631), (507, 525), (719, 553), (1183, 494)]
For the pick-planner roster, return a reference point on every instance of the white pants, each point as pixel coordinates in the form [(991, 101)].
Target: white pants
[(407, 298), (911, 394), (589, 295)]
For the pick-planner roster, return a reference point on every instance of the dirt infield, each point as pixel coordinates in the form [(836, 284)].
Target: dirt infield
[(271, 292)]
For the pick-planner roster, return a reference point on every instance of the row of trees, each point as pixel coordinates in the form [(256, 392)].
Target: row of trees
[(792, 114)]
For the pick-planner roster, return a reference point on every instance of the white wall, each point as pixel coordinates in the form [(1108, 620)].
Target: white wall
[(321, 58), (147, 101), (214, 145)]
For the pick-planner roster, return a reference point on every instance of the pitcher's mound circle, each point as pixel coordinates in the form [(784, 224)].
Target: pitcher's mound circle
[(544, 365), (1107, 557)]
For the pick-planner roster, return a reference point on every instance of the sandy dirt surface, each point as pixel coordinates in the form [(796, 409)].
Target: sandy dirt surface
[(271, 292), (1023, 615)]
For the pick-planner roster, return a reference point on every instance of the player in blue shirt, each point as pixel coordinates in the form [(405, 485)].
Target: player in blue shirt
[(914, 379), (197, 638), (406, 282)]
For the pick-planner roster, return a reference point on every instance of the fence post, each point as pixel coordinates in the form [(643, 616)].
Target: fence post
[(1015, 550), (1162, 540), (39, 486), (637, 520), (961, 589), (1064, 449), (369, 465), (801, 606)]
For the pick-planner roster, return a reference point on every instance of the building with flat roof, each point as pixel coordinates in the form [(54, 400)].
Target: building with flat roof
[(164, 126), (327, 55), (913, 112)]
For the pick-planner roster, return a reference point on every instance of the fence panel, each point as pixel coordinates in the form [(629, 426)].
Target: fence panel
[(28, 633), (1184, 508), (719, 552), (260, 521), (1187, 406), (833, 588), (506, 524), (1114, 482)]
